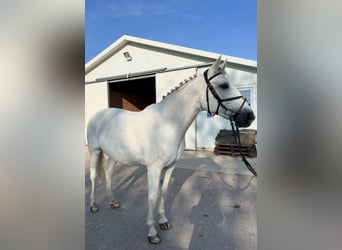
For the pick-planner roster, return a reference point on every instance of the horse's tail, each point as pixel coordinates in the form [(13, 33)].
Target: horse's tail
[(100, 167)]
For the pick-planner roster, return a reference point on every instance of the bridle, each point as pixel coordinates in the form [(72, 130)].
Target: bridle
[(232, 117)]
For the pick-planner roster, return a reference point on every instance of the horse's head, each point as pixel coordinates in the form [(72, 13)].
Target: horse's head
[(225, 99)]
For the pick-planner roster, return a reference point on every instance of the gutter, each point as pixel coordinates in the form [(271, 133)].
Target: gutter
[(145, 73)]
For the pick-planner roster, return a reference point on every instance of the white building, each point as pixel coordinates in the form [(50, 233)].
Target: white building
[(133, 73)]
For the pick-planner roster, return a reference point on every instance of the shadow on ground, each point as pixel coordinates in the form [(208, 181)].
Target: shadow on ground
[(208, 209)]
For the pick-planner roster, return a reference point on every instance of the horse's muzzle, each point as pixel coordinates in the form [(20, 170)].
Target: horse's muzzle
[(244, 119)]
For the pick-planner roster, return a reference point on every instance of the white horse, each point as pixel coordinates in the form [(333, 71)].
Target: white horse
[(155, 136)]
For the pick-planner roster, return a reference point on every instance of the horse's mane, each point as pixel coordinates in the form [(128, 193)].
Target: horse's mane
[(181, 84)]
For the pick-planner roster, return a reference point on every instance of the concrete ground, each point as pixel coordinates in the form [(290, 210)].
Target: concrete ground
[(211, 204)]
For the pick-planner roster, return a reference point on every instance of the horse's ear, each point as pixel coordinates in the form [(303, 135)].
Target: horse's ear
[(223, 65), (215, 67)]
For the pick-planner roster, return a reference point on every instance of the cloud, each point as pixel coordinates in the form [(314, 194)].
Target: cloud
[(131, 8), (125, 8)]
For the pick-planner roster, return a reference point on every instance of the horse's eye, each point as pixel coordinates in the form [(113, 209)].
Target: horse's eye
[(223, 86)]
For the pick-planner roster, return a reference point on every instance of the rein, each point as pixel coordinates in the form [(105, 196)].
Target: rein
[(233, 115), (236, 134)]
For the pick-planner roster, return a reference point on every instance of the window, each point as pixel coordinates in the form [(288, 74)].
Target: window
[(249, 93), (246, 93)]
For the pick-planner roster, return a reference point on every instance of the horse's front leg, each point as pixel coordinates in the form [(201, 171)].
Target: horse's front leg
[(153, 179), (163, 221)]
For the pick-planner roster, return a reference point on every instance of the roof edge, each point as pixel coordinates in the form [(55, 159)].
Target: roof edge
[(123, 40)]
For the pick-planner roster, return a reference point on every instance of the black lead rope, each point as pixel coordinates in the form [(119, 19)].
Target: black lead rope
[(236, 134)]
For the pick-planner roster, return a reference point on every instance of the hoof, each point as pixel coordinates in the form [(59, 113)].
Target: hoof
[(165, 226), (94, 208), (114, 205), (154, 239)]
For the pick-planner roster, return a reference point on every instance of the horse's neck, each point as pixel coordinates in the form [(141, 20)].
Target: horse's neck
[(181, 107)]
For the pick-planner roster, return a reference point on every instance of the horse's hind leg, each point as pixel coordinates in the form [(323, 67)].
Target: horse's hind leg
[(163, 221), (109, 190), (95, 155)]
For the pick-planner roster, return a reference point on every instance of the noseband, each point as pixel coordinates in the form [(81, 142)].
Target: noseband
[(232, 116), (219, 100)]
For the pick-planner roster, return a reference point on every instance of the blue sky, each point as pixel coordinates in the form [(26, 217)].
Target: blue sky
[(227, 27)]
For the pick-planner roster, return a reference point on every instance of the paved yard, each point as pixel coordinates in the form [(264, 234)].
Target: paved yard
[(211, 204)]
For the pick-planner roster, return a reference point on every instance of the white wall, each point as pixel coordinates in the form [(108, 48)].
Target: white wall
[(143, 58), (96, 98)]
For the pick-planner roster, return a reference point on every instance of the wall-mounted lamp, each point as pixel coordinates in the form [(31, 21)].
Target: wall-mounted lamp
[(127, 56)]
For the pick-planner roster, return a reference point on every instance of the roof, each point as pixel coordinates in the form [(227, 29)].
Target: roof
[(125, 39)]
